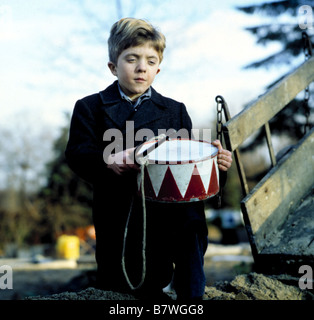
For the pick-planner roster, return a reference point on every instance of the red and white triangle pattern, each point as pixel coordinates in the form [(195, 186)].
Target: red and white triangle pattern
[(181, 182)]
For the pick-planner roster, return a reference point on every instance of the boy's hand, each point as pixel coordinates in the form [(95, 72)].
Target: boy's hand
[(118, 162), (224, 158)]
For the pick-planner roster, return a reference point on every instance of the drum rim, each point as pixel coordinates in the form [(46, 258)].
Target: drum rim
[(192, 199), (161, 162)]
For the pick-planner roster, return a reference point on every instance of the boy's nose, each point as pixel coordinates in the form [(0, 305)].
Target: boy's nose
[(141, 67)]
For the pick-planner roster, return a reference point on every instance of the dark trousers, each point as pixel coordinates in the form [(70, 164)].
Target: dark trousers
[(189, 277), (176, 240)]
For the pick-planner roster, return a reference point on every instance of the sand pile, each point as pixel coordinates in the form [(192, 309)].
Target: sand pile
[(252, 286), (87, 294)]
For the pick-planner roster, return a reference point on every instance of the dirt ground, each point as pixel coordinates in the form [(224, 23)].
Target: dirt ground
[(229, 272), (250, 286), (27, 283)]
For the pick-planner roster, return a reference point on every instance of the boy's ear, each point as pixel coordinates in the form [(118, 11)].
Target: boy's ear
[(112, 68)]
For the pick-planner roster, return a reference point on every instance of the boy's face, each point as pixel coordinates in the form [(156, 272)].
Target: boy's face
[(136, 69)]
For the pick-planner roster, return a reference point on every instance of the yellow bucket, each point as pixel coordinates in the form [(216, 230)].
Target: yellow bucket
[(68, 247)]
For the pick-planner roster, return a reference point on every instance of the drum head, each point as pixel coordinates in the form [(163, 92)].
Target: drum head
[(179, 151)]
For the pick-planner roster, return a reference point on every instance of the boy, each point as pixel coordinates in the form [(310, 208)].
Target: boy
[(176, 233)]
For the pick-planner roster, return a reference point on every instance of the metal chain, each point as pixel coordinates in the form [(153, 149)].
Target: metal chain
[(307, 125), (219, 118), (307, 53), (220, 106)]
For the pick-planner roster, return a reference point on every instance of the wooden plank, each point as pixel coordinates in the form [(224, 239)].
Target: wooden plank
[(259, 112), (269, 202)]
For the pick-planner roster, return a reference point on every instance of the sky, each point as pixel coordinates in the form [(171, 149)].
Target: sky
[(54, 52)]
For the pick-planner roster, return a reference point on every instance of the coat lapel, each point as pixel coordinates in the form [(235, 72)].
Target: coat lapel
[(117, 109), (151, 110), (119, 113)]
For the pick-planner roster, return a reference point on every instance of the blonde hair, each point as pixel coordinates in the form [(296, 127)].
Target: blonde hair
[(131, 32)]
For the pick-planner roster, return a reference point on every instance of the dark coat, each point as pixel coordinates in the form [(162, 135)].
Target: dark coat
[(92, 116)]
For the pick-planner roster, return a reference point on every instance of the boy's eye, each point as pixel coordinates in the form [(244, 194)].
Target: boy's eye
[(131, 60), (152, 62)]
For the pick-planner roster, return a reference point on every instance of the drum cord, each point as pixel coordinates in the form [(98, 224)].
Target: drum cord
[(144, 236), (144, 163)]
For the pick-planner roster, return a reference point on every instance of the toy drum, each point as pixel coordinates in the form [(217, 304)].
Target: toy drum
[(180, 171)]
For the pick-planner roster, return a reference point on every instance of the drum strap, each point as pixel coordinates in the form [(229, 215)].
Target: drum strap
[(144, 163), (143, 239)]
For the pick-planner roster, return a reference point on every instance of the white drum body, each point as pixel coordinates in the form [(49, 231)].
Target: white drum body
[(180, 171)]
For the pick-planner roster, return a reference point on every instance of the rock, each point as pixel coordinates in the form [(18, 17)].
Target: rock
[(255, 286), (260, 287), (212, 293)]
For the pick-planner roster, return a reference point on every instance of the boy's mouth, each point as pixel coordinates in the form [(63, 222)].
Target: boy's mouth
[(139, 79)]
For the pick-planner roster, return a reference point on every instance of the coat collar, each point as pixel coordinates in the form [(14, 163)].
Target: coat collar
[(120, 110), (111, 95)]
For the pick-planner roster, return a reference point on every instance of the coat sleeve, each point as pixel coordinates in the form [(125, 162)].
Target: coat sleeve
[(84, 149)]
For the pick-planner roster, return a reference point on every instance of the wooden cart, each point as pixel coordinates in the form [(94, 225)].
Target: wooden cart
[(279, 211)]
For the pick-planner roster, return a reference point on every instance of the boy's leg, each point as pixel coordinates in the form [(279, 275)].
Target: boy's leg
[(108, 256), (109, 226), (159, 251), (191, 245)]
